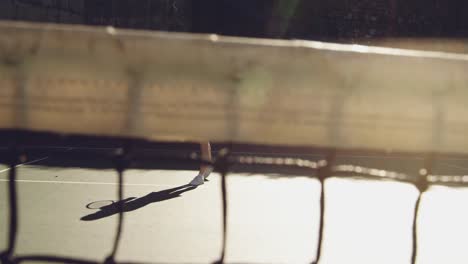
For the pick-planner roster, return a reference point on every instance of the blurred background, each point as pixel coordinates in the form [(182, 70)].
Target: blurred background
[(333, 20)]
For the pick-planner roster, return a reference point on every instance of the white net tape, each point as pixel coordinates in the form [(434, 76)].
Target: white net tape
[(165, 86)]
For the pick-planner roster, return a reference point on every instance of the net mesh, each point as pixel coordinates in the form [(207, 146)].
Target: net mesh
[(224, 163)]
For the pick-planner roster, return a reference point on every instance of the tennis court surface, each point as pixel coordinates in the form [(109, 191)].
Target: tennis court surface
[(271, 218)]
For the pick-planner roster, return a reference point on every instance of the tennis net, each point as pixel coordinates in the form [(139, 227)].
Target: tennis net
[(136, 86)]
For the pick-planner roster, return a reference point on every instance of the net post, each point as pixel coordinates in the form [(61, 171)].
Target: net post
[(222, 165), (422, 185), (14, 157), (121, 161), (325, 169)]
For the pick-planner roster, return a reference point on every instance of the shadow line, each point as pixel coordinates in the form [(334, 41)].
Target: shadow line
[(132, 203)]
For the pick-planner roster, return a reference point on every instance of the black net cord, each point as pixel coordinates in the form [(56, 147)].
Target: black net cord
[(120, 165), (321, 223), (222, 165), (13, 209), (52, 259), (118, 233), (6, 256), (422, 185), (414, 251), (224, 200), (323, 173)]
